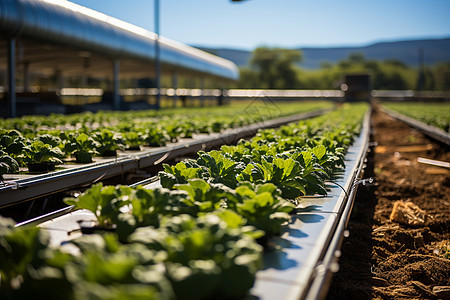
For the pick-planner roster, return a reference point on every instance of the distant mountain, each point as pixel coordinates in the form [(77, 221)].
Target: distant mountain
[(435, 50)]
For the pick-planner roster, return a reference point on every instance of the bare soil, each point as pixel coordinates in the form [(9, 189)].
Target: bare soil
[(386, 259)]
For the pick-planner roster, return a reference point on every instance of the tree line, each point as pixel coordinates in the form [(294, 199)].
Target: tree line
[(277, 68)]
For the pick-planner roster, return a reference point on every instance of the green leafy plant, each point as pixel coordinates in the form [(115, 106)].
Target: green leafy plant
[(216, 261), (187, 129), (42, 156), (81, 146), (133, 140), (217, 126), (104, 201), (12, 142), (109, 142), (28, 266), (153, 128), (205, 197), (284, 173), (156, 137), (263, 207), (7, 164), (109, 269), (293, 158), (221, 168), (106, 269), (123, 209), (312, 174), (179, 174), (49, 139)]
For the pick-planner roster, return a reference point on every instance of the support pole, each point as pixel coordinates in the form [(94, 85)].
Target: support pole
[(26, 76), (421, 78), (12, 78), (157, 58), (222, 99), (175, 87), (116, 87), (59, 79), (202, 89)]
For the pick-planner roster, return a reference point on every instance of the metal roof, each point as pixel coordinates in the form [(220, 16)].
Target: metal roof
[(69, 30)]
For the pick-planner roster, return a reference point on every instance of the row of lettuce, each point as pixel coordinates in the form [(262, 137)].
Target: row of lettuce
[(40, 143), (195, 237), (433, 113), (200, 236)]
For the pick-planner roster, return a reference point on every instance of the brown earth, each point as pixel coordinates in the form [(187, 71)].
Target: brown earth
[(389, 259)]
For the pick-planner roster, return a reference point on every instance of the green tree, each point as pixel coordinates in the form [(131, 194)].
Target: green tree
[(386, 75), (277, 68), (273, 68), (248, 79), (441, 75)]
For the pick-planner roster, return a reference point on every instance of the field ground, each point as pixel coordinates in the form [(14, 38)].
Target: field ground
[(385, 259)]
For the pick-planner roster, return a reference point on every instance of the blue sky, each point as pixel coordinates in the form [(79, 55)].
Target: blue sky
[(284, 23)]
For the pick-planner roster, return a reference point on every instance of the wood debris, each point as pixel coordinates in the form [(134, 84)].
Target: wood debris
[(408, 213), (442, 292)]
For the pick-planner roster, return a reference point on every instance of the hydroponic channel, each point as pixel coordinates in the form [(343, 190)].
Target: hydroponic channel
[(25, 187), (303, 257)]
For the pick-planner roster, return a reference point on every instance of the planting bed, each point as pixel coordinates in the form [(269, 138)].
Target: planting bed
[(433, 119), (435, 114), (387, 259), (199, 233), (25, 186)]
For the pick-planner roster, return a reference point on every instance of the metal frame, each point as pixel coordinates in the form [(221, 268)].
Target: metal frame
[(62, 22), (70, 36), (12, 77)]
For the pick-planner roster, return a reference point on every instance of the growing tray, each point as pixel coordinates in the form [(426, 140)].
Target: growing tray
[(26, 187), (305, 255)]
